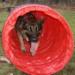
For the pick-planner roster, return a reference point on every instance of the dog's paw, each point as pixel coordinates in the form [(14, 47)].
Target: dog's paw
[(32, 52), (23, 49)]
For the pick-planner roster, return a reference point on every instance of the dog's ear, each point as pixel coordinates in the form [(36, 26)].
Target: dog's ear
[(41, 21), (19, 22)]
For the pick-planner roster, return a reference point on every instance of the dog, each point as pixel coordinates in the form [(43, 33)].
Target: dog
[(29, 28)]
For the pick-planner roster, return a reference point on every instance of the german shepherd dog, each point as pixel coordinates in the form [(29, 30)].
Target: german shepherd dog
[(29, 28)]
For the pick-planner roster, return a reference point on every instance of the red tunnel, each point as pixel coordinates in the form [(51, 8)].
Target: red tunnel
[(55, 47)]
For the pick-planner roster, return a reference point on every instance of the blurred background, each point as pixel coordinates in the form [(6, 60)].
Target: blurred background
[(64, 7)]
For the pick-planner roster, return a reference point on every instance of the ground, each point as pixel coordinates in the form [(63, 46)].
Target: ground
[(68, 70)]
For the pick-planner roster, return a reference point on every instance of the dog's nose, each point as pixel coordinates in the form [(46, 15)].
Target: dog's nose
[(33, 38)]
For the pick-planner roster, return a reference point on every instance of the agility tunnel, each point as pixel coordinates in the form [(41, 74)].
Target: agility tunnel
[(56, 42)]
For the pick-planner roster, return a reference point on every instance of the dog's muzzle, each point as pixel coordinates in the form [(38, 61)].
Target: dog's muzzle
[(33, 38)]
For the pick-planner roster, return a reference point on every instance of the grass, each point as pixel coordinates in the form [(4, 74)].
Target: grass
[(68, 70), (3, 16)]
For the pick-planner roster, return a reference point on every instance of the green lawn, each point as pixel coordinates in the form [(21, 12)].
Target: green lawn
[(3, 16), (68, 70)]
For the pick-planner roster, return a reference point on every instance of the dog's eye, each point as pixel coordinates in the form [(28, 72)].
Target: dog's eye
[(36, 27), (30, 28)]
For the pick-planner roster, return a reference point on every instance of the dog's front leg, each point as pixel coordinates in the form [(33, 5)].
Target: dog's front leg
[(21, 41), (33, 49)]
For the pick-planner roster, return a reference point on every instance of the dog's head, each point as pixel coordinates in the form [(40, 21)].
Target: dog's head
[(33, 27)]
